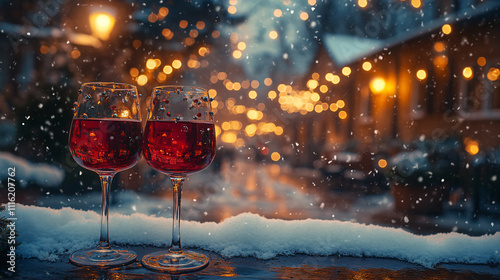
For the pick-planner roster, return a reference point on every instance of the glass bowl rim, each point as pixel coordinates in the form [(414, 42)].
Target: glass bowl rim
[(107, 86)]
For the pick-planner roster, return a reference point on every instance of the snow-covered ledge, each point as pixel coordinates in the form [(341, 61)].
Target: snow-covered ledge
[(47, 234)]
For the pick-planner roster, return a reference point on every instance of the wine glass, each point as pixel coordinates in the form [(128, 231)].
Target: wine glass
[(179, 139), (106, 137)]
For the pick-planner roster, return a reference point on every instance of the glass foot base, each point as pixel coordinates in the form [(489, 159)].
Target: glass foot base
[(175, 263), (103, 257)]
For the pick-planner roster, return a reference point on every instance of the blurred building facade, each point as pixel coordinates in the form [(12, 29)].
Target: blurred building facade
[(437, 81)]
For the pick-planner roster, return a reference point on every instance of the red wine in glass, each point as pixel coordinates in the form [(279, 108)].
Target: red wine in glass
[(179, 139), (106, 137), (179, 146), (106, 144)]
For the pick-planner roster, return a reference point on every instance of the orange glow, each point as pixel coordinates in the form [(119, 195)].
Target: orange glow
[(176, 64), (446, 29), (203, 51), (234, 37), (382, 163), (125, 114), (101, 24), (268, 82), (200, 25), (242, 46), (472, 147), (335, 79), (245, 84), (168, 69), (481, 61), (278, 130), (342, 115), (161, 77), (237, 54), (271, 94), (252, 94), (189, 41), (275, 156), (273, 34), (252, 114), (221, 76), (367, 66), (421, 74), (362, 3), (312, 84), (440, 61), (416, 3), (44, 49), (136, 44), (228, 137), (152, 17), (217, 130), (304, 16), (334, 107), (75, 54), (493, 74), (192, 63), (315, 97), (150, 64), (439, 47), (212, 92), (142, 80), (467, 72), (163, 12), (377, 85), (167, 33), (329, 77), (340, 103), (231, 10), (236, 86), (215, 34), (226, 126), (250, 130), (193, 33), (346, 71), (157, 62), (323, 88), (183, 24), (134, 72), (278, 13)]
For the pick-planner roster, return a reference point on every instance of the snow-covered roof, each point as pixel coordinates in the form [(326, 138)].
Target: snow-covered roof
[(346, 49)]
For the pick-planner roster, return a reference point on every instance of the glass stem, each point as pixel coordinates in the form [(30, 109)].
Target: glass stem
[(176, 223), (105, 186)]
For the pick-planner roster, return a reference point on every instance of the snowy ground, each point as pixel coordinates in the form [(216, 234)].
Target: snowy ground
[(273, 192), (263, 212), (47, 234)]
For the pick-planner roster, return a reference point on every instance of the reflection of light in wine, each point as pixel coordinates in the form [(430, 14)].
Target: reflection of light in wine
[(125, 114)]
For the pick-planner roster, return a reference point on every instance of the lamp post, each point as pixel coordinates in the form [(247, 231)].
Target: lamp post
[(102, 22)]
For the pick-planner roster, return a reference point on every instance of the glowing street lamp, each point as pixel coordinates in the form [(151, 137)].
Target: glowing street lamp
[(101, 23), (377, 85)]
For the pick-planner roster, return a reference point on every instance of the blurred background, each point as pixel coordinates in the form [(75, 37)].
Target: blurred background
[(374, 111)]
